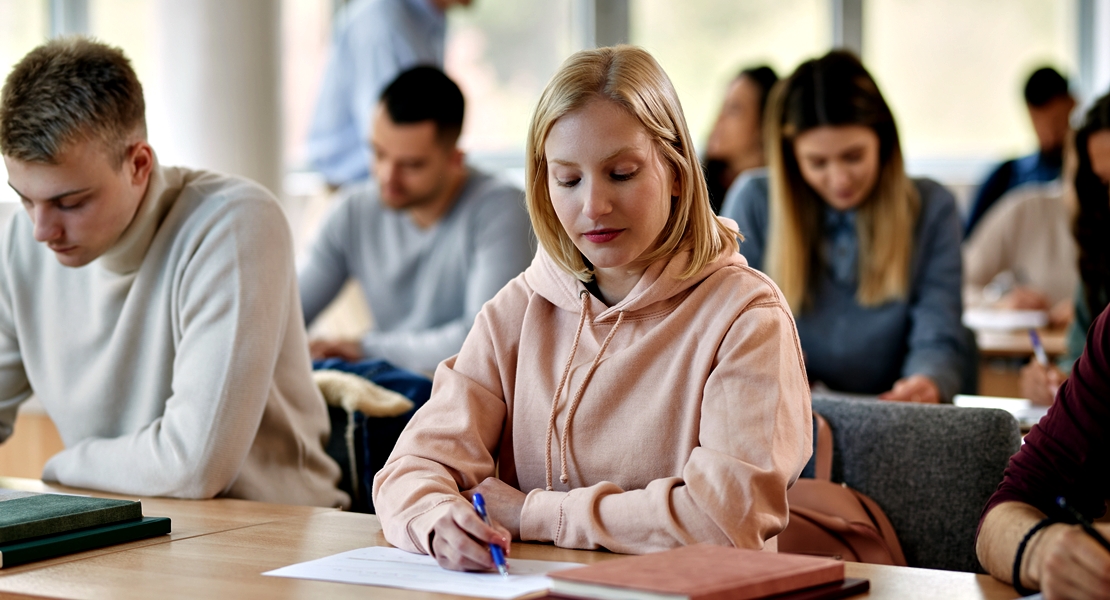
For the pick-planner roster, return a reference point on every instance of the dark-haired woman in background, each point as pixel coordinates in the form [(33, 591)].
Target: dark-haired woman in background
[(1092, 148), (736, 143), (868, 259)]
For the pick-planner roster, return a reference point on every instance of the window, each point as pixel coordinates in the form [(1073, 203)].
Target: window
[(953, 71), (703, 44), (26, 24), (502, 53)]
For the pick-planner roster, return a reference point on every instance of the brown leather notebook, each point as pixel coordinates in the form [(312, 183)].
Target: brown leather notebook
[(701, 572)]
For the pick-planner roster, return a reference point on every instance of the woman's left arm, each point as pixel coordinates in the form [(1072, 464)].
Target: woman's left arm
[(937, 341), (755, 437)]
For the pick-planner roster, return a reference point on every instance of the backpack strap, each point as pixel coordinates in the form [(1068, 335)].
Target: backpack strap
[(879, 518), (824, 449)]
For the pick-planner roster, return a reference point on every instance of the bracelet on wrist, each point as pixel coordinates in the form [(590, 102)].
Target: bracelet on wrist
[(1022, 590)]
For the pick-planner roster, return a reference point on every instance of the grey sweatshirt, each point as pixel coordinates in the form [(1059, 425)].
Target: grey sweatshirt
[(424, 286), (176, 363)]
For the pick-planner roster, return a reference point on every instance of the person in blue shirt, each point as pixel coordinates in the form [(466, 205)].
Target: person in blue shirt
[(868, 259), (373, 41), (1050, 105)]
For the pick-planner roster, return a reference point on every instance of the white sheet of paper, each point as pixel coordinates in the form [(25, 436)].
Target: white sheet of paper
[(1004, 319), (390, 567), (1023, 410)]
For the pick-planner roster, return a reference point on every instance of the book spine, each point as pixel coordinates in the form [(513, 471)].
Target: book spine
[(132, 511), (24, 552)]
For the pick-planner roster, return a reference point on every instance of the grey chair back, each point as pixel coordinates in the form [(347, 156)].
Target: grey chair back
[(931, 469)]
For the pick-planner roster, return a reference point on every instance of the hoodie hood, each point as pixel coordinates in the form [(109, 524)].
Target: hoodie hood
[(659, 283), (659, 288)]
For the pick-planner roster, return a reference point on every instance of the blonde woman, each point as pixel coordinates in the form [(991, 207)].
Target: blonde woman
[(639, 387), (868, 259)]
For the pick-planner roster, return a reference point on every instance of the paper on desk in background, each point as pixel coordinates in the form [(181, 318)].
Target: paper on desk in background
[(1004, 319), (1026, 413), (390, 567)]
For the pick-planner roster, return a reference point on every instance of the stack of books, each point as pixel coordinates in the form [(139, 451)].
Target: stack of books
[(36, 526)]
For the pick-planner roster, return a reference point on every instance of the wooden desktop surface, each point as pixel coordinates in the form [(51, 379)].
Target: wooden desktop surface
[(220, 548), (1004, 344)]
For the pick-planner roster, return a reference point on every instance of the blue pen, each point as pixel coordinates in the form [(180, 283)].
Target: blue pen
[(494, 549), (1038, 348)]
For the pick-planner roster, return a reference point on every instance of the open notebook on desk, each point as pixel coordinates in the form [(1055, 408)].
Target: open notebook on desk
[(1026, 413)]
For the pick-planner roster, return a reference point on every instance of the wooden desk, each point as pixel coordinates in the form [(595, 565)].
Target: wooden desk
[(189, 518), (1016, 344), (1001, 354), (229, 563)]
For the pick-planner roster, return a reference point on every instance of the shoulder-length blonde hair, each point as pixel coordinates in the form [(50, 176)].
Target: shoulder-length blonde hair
[(631, 78), (836, 90)]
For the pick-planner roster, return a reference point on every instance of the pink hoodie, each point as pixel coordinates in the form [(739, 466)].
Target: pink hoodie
[(682, 414)]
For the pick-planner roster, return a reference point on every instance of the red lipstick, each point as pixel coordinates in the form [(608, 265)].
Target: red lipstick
[(600, 236)]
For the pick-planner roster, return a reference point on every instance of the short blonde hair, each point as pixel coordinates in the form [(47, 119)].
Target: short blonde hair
[(629, 77)]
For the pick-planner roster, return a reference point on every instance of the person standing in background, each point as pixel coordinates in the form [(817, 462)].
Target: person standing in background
[(1050, 105), (372, 42), (736, 143)]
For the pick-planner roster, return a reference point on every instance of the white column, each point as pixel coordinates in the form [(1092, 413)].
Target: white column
[(213, 101)]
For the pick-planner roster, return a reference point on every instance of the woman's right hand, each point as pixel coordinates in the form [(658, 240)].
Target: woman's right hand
[(461, 539), (1039, 383)]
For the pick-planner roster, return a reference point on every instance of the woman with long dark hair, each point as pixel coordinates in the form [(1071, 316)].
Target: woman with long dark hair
[(736, 142), (868, 259)]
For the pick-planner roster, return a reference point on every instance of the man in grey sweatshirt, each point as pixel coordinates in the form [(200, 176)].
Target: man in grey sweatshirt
[(152, 310), (429, 240)]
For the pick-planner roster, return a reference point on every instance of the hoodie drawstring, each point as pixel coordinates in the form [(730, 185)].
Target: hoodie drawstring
[(565, 441)]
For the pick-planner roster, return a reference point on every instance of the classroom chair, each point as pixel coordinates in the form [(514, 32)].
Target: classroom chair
[(930, 468)]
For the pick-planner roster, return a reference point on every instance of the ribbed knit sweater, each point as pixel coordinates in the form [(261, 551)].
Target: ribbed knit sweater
[(176, 363)]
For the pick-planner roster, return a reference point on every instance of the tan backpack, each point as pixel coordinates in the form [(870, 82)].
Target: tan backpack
[(830, 519)]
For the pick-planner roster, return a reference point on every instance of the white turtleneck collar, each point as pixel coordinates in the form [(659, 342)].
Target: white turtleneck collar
[(126, 256)]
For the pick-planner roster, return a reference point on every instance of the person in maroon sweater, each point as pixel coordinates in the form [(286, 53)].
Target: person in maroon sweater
[(1066, 455)]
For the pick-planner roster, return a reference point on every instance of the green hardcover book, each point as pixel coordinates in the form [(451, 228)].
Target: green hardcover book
[(26, 515), (50, 546)]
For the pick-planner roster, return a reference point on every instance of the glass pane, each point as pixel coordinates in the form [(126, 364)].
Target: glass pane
[(129, 25), (24, 24), (953, 71), (703, 44), (502, 53), (305, 41)]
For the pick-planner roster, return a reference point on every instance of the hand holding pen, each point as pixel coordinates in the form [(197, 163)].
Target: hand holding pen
[(460, 539), (1040, 379), (1069, 561), (495, 551)]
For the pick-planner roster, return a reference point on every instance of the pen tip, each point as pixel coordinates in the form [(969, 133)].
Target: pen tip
[(503, 570)]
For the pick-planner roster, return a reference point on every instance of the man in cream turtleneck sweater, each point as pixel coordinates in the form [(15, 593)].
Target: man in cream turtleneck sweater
[(153, 310)]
